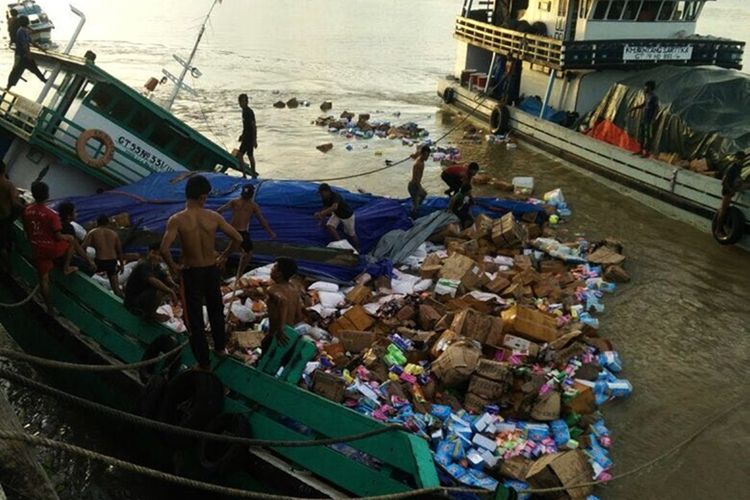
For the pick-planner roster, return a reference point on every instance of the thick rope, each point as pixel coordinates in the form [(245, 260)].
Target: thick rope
[(162, 426), (51, 363), (24, 301)]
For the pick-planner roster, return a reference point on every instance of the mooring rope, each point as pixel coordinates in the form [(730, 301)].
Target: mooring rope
[(24, 301)]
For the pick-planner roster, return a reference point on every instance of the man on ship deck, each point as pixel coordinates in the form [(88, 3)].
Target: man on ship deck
[(249, 138), (109, 256), (199, 269), (284, 301), (23, 58), (650, 106)]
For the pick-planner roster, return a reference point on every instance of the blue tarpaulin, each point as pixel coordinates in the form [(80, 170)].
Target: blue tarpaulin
[(289, 207)]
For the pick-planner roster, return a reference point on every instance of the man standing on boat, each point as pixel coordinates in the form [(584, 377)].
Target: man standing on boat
[(10, 208), (12, 21), (243, 210), (48, 244), (340, 213), (650, 106), (284, 301), (23, 58), (200, 268), (249, 137), (457, 175), (416, 191)]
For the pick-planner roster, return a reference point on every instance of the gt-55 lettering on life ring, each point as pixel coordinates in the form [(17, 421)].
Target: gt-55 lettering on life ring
[(104, 139)]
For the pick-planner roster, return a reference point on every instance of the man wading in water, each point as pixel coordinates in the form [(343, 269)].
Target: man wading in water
[(243, 210), (199, 269), (416, 191)]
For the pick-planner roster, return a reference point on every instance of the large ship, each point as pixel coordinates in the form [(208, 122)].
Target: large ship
[(551, 71)]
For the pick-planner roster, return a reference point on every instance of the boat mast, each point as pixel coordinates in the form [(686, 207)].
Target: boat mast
[(186, 65), (71, 43)]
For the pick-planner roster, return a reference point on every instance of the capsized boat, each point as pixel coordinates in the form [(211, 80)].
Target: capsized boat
[(98, 327), (534, 68)]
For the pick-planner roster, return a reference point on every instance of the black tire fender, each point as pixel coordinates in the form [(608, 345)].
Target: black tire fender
[(449, 95), (500, 120), (151, 396), (216, 456), (161, 345), (191, 399), (733, 228)]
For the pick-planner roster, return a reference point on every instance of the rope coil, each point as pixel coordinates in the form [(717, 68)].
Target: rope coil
[(24, 301)]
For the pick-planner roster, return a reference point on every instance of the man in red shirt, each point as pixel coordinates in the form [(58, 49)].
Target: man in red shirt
[(48, 244), (458, 175)]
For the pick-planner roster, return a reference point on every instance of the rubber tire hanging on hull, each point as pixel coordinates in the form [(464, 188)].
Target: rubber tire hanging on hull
[(192, 399), (449, 95), (219, 457), (733, 227), (500, 120), (161, 345)]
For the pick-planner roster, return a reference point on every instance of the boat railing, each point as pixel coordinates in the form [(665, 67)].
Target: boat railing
[(60, 135), (18, 113), (600, 54)]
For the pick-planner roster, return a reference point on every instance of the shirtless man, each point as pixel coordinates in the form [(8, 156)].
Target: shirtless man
[(284, 301), (10, 207), (243, 210), (109, 258), (200, 268), (416, 191)]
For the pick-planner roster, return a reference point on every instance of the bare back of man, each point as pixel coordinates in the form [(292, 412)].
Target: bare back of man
[(106, 242), (197, 228), (243, 212)]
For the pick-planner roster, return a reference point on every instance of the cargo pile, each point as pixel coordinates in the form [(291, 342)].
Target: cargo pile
[(484, 343), (363, 128)]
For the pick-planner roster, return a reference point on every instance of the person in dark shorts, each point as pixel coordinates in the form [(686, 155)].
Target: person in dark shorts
[(148, 286), (416, 192), (109, 258), (249, 138), (23, 58), (243, 210), (457, 175), (200, 268), (650, 107), (67, 212), (340, 214), (460, 204), (731, 184)]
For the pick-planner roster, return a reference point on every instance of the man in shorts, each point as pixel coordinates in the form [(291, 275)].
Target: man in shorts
[(148, 286), (416, 191), (340, 214), (249, 138), (109, 258), (48, 244), (200, 267), (243, 210)]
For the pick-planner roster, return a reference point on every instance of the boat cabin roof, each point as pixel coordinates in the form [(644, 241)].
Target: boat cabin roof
[(87, 68)]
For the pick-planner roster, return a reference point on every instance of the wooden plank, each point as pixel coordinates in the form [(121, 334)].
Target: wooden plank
[(328, 418)]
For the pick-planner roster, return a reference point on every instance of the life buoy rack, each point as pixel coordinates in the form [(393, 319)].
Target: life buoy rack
[(500, 120), (100, 136), (449, 95)]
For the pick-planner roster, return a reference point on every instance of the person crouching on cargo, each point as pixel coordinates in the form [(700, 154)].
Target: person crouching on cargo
[(48, 244), (458, 175), (460, 206), (200, 269), (109, 258), (731, 184), (340, 214), (284, 301), (416, 191), (243, 210), (650, 106), (148, 286)]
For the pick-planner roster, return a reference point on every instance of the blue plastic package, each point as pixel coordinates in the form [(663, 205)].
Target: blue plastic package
[(599, 455), (620, 388), (537, 432), (519, 487), (443, 412), (560, 432), (610, 360)]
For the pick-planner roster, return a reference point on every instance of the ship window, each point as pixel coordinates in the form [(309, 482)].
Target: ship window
[(121, 110), (649, 11), (161, 135), (601, 9), (667, 10), (182, 148), (615, 10), (102, 96), (631, 10), (140, 120)]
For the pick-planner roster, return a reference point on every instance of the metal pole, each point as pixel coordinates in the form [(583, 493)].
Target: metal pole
[(489, 73), (56, 70), (186, 67), (547, 95)]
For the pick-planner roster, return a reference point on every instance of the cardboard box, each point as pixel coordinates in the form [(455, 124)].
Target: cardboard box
[(530, 323), (430, 272), (456, 267), (553, 266), (442, 343), (488, 389), (428, 317), (248, 339), (518, 344), (359, 295), (497, 285), (547, 407), (481, 327), (483, 226), (356, 341), (449, 231), (329, 386), (562, 469), (516, 468), (606, 256), (406, 313), (355, 318), (523, 262), (457, 363), (122, 219), (506, 232), (474, 403), (493, 370), (584, 402)]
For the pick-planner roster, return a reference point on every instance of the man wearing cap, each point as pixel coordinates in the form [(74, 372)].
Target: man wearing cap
[(243, 210), (340, 213)]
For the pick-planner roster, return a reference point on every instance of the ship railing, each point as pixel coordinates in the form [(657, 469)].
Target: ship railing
[(19, 114), (532, 48), (59, 136)]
